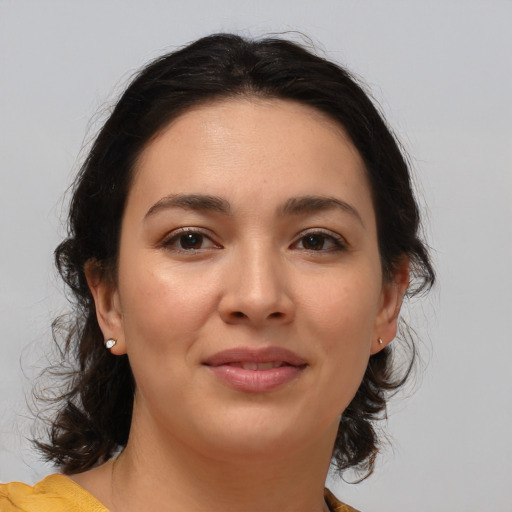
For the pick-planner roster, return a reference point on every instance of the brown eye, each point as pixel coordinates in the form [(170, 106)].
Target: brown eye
[(313, 242), (321, 242), (191, 241)]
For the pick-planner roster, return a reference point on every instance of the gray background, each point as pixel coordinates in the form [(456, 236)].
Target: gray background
[(443, 74)]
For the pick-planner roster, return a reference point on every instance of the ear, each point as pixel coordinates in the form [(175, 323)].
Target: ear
[(386, 323), (107, 304)]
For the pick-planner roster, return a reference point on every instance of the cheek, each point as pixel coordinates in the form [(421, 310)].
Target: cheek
[(164, 308), (341, 322), (344, 310), (163, 314)]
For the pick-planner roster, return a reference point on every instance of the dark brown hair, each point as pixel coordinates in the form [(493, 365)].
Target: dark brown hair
[(94, 411)]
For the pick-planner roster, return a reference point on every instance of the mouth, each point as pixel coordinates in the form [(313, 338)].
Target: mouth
[(256, 370), (259, 366), (266, 358)]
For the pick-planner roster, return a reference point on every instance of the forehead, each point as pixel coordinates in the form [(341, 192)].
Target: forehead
[(267, 147)]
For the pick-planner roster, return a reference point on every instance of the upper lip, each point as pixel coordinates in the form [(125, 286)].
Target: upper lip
[(255, 355)]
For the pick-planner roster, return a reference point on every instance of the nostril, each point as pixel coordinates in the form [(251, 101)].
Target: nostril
[(238, 314), (276, 314)]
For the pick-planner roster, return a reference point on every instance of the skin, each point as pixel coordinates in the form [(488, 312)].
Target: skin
[(306, 279)]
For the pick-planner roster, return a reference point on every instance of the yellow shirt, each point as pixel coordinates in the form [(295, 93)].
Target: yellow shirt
[(58, 493)]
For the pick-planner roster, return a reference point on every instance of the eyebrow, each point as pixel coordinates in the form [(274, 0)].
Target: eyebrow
[(312, 204), (198, 202), (293, 206)]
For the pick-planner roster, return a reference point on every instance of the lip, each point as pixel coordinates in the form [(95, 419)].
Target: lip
[(226, 366)]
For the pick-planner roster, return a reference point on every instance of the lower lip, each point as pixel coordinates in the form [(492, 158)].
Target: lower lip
[(256, 381)]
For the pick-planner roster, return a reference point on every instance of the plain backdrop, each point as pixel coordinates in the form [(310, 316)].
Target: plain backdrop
[(442, 72)]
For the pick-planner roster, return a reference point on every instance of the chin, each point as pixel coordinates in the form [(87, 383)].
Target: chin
[(262, 436)]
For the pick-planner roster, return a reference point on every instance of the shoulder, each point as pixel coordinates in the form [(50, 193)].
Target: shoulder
[(334, 504), (55, 493)]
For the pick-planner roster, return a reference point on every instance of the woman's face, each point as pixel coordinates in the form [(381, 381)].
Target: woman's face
[(249, 295)]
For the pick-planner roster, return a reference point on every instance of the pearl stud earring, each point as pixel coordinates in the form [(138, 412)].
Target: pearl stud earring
[(110, 343)]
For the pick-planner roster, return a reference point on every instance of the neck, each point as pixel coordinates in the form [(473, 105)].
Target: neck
[(166, 476)]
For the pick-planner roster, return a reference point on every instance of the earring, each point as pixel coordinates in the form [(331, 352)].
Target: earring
[(110, 343), (380, 341)]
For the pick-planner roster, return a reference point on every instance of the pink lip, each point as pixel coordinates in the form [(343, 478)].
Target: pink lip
[(225, 366)]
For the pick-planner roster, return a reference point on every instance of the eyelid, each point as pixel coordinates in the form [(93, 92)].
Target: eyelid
[(339, 240), (173, 235)]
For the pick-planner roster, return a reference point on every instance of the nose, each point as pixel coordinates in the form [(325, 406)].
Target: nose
[(256, 290)]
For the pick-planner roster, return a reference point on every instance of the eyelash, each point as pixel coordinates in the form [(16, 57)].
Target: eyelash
[(338, 242), (171, 241), (175, 236)]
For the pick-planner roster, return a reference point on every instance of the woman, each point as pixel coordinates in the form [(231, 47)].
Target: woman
[(241, 237)]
